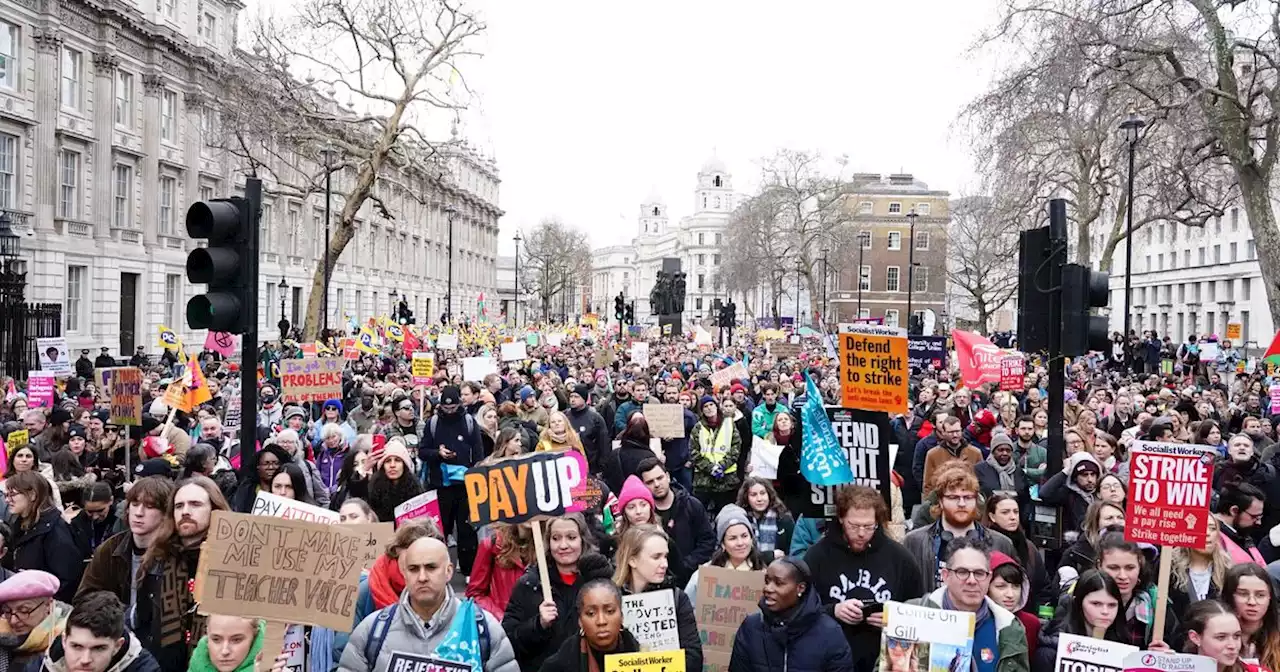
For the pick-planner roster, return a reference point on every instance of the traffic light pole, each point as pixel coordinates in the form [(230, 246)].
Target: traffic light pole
[(1057, 372), (249, 339)]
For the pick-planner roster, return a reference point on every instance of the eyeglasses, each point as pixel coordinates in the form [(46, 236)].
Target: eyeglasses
[(860, 528), (960, 499), (965, 574), (9, 612)]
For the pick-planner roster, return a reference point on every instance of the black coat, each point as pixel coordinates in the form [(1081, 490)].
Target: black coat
[(989, 482), (686, 522), (804, 640), (594, 435), (49, 546), (1055, 492), (532, 643), (686, 624), (631, 454), (569, 657)]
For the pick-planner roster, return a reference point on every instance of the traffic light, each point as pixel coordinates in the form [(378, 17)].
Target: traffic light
[(629, 315), (1035, 280), (1083, 290), (718, 313), (227, 265), (618, 302), (733, 314)]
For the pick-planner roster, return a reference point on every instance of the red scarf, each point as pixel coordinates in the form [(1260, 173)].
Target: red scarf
[(781, 438), (385, 582)]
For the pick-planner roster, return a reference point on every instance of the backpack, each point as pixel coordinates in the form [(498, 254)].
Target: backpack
[(378, 634), (435, 422)]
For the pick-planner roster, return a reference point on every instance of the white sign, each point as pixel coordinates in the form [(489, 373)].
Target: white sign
[(764, 458), (1077, 653), (651, 617), (54, 357), (447, 342), (476, 368), (512, 352), (295, 644), (267, 504), (555, 339), (640, 353), (1151, 661)]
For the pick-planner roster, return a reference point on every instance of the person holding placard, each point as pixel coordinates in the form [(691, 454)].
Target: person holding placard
[(392, 482), (1213, 631), (714, 446), (642, 567), (737, 549), (1250, 592), (599, 607), (1092, 612), (791, 630)]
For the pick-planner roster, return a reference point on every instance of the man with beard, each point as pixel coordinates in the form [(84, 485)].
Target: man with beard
[(683, 518), (951, 446), (1001, 473), (364, 415), (1239, 510), (453, 441), (1028, 451), (956, 515), (1121, 417), (1073, 489), (860, 568), (762, 416), (612, 406), (405, 425), (639, 395)]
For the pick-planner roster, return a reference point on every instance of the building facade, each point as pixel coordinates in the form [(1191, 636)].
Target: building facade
[(106, 129), (872, 278)]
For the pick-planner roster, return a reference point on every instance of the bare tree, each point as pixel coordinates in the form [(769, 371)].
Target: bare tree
[(396, 62), (555, 258), (753, 252), (982, 251)]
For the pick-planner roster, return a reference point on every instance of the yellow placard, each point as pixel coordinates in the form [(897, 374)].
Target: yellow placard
[(648, 661), (17, 439), (1234, 330), (424, 366)]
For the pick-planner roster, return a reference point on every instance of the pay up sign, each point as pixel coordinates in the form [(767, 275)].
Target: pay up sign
[(1169, 489), (873, 368)]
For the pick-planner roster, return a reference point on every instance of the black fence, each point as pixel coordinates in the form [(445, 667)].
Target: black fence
[(20, 325)]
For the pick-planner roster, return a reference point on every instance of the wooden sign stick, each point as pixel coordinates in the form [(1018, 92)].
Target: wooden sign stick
[(540, 547), (1162, 595)]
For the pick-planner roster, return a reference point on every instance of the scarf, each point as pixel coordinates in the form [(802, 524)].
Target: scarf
[(200, 661), (385, 582), (1005, 472), (767, 532), (780, 437)]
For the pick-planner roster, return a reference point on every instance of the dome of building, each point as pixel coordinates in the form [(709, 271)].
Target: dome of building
[(714, 165), (654, 198)]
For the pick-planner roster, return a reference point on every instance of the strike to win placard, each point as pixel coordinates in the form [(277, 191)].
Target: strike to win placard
[(1169, 489)]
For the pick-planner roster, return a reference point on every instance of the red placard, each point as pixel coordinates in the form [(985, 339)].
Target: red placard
[(1169, 489), (1013, 371)]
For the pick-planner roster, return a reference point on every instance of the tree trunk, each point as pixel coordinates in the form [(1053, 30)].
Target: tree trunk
[(1256, 196)]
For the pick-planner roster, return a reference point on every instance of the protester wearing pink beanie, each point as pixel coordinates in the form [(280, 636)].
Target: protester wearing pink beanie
[(31, 584), (633, 490)]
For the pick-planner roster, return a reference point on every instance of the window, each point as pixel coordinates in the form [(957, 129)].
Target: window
[(76, 276), (1246, 288), (1217, 225), (168, 7), (1235, 219), (1213, 290), (169, 116), (702, 282), (1202, 256), (68, 184), (294, 214), (1249, 250), (72, 69), (206, 193), (208, 124), (264, 225), (864, 208), (167, 187), (124, 99), (864, 278), (317, 234), (122, 195), (701, 240), (715, 260), (719, 237), (891, 317), (1149, 262), (1173, 234), (891, 279), (1186, 258), (922, 209), (697, 303), (895, 240), (864, 239), (1217, 254), (920, 278), (702, 260), (8, 170), (208, 28), (1233, 252), (9, 52), (922, 240), (864, 313), (172, 297)]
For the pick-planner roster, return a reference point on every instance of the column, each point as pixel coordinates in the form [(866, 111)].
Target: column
[(48, 47), (104, 68), (152, 87), (193, 140)]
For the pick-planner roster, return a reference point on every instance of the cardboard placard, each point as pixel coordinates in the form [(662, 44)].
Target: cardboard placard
[(286, 570), (267, 504), (1169, 489), (54, 356), (640, 353), (538, 485), (426, 504), (424, 367), (925, 634), (729, 374), (1013, 371), (864, 436), (651, 617), (514, 352), (725, 599), (650, 661), (126, 396), (475, 369), (666, 421), (873, 369), (447, 342), (783, 350), (1086, 654), (603, 358), (40, 386), (311, 379), (102, 380)]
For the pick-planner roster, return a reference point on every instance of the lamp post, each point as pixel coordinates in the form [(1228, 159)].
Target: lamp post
[(517, 238), (799, 271), (1132, 127), (911, 262), (393, 295), (284, 324), (862, 248), (450, 211), (328, 152), (825, 274)]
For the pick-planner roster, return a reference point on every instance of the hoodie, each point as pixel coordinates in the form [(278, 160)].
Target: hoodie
[(130, 658), (884, 571), (1061, 490), (1030, 622)]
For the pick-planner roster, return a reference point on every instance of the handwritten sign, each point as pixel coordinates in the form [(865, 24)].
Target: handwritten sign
[(424, 366), (730, 374), (19, 438), (915, 632), (666, 421), (311, 379), (267, 504), (447, 342), (1077, 653), (1169, 489), (286, 570), (540, 485), (783, 350), (725, 599), (640, 353), (40, 385), (651, 617), (126, 396), (650, 661), (873, 369), (427, 504), (1012, 372), (1234, 330)]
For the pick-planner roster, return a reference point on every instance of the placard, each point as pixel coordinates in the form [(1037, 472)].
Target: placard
[(1234, 330), (640, 353), (475, 369), (725, 599), (54, 356), (865, 437), (412, 662), (873, 369), (1153, 661), (651, 617), (1077, 653), (426, 504), (666, 421), (268, 504), (350, 351), (514, 351), (649, 661), (40, 386), (286, 570), (447, 341), (515, 490), (1012, 372), (102, 380), (18, 438), (126, 396), (231, 415), (927, 352), (555, 340), (1275, 399), (1169, 489), (727, 376), (783, 350), (312, 379), (424, 367), (924, 634)]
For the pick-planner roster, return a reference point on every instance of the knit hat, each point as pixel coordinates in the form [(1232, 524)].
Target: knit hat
[(706, 399), (156, 466), (583, 391), (158, 409), (77, 430), (633, 488), (731, 515), (451, 395), (396, 448), (31, 584), (526, 392), (293, 412), (59, 416), (999, 438), (1083, 461), (984, 418), (736, 388), (333, 403)]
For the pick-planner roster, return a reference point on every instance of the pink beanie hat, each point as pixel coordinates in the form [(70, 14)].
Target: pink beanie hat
[(633, 488), (396, 448), (28, 585)]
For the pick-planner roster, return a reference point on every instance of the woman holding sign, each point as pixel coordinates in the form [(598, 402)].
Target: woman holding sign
[(642, 568)]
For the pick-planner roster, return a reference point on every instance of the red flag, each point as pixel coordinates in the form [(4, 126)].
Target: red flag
[(1272, 355), (979, 358), (411, 342)]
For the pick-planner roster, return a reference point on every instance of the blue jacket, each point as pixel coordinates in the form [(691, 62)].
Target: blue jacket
[(806, 640)]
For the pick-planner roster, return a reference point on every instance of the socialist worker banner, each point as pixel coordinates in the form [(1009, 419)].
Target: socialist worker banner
[(979, 359)]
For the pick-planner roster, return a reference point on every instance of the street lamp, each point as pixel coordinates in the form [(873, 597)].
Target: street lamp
[(517, 238), (450, 211), (825, 274), (1132, 127), (284, 324), (328, 153), (799, 271), (911, 262), (393, 296), (862, 248)]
